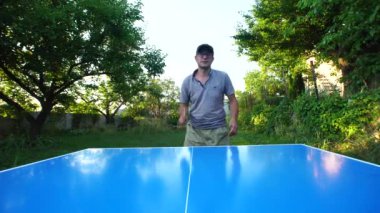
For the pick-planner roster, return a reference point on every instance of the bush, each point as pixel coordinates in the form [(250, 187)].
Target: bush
[(151, 125), (280, 120), (260, 117), (126, 122), (172, 119), (244, 120), (331, 118), (360, 115), (316, 117)]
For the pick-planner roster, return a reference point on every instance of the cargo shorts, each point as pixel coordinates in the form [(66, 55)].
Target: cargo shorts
[(206, 137)]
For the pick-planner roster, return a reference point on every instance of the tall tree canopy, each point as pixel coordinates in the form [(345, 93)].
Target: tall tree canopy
[(48, 45), (286, 32), (351, 38), (271, 39)]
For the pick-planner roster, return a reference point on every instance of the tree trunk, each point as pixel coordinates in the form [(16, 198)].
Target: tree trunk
[(35, 130), (314, 75), (346, 69), (296, 86), (37, 124), (110, 119)]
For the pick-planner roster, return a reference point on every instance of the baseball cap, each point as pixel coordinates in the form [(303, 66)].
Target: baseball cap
[(205, 48)]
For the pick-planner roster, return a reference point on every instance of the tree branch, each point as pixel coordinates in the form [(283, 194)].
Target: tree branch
[(19, 82), (69, 83), (17, 106), (117, 109)]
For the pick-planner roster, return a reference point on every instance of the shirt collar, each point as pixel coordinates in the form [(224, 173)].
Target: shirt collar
[(210, 74)]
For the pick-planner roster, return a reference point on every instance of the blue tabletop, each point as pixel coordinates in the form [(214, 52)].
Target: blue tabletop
[(269, 178)]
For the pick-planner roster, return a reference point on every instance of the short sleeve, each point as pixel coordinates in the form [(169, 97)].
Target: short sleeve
[(229, 88), (184, 97)]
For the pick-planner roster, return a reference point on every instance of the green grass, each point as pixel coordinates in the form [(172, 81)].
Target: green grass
[(248, 138), (14, 152)]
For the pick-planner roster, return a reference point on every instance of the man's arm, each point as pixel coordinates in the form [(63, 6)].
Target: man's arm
[(234, 112), (183, 108)]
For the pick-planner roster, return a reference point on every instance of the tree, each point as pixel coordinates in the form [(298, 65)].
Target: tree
[(351, 38), (290, 31), (273, 39), (263, 85), (273, 28), (15, 93), (47, 46), (98, 98), (158, 100), (167, 100)]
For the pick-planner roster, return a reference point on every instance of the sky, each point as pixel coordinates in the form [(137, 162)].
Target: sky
[(178, 27)]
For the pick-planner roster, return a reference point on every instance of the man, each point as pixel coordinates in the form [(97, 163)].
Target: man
[(203, 92)]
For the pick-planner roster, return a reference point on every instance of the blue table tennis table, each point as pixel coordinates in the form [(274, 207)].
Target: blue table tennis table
[(266, 178)]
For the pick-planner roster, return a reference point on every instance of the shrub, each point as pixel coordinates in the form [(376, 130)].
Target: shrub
[(360, 115), (260, 117), (280, 119), (306, 115)]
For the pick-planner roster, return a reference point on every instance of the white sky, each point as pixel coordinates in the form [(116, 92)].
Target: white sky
[(177, 27)]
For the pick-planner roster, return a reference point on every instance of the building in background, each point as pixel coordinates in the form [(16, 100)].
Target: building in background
[(327, 78)]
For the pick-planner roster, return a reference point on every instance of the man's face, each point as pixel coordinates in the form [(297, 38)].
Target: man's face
[(204, 59)]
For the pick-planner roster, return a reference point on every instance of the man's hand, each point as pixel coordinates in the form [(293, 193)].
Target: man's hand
[(234, 114), (183, 108), (233, 127), (182, 121)]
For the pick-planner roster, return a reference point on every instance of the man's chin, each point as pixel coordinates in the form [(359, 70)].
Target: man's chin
[(205, 67)]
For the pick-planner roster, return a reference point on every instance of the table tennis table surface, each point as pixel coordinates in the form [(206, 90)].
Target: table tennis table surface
[(264, 178)]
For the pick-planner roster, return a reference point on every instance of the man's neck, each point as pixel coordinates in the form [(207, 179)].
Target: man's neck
[(202, 75), (204, 71)]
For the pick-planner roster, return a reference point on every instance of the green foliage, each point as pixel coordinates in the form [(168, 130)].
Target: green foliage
[(263, 84), (336, 118), (127, 122), (151, 125), (352, 33), (271, 31), (331, 118), (78, 120), (100, 96), (172, 119), (280, 119), (244, 120), (360, 115), (158, 100), (317, 118), (282, 34), (281, 48), (7, 111), (48, 46), (260, 117), (246, 102)]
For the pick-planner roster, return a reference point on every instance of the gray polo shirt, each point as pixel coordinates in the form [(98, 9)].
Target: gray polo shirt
[(206, 101)]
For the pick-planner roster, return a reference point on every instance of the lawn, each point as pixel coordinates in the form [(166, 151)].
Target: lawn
[(13, 151)]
